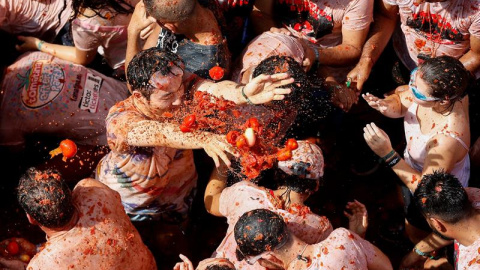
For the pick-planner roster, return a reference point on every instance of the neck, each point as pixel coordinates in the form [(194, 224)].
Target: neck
[(52, 232), (295, 197), (467, 231), (290, 251)]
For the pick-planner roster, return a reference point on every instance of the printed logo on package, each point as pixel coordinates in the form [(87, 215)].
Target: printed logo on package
[(43, 82), (91, 93)]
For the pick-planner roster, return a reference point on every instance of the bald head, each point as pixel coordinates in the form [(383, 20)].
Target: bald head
[(170, 10)]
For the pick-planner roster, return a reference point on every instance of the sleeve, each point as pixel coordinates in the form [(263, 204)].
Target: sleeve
[(118, 123), (359, 15), (474, 28), (85, 36), (390, 2)]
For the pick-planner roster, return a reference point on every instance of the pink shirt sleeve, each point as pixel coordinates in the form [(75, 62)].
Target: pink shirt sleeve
[(85, 39), (359, 15), (474, 28)]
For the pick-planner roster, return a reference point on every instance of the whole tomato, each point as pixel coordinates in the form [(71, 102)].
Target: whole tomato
[(291, 144), (69, 148), (216, 73)]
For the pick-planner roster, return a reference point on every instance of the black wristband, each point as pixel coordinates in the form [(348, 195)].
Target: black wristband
[(394, 161)]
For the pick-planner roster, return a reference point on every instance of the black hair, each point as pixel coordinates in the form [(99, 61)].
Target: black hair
[(219, 267), (441, 195), (119, 6), (145, 63), (171, 11), (447, 78), (280, 64), (45, 196), (258, 231), (295, 182), (308, 98)]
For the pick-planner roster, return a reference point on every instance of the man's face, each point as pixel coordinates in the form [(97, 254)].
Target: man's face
[(168, 91)]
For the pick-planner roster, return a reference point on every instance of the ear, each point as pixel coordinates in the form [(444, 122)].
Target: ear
[(438, 224), (31, 220)]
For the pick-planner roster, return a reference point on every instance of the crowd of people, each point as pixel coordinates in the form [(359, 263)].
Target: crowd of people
[(154, 91)]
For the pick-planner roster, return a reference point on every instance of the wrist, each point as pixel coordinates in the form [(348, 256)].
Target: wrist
[(430, 255), (40, 44), (247, 100), (367, 60)]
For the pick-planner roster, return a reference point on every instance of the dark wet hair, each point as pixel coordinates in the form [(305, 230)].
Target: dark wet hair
[(219, 267), (171, 11), (258, 231), (145, 63), (45, 196), (441, 195), (295, 183), (119, 6), (447, 78), (280, 64)]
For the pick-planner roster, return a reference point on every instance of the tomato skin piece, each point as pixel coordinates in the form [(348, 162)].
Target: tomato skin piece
[(253, 123), (291, 144), (241, 141), (184, 128), (232, 137), (189, 121), (284, 154), (216, 73), (13, 247)]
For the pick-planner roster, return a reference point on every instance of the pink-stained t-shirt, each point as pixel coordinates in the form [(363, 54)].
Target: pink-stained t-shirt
[(264, 46), (322, 23), (245, 196), (152, 181), (431, 29), (344, 250), (468, 258), (108, 35), (40, 18), (416, 150), (102, 238), (47, 95)]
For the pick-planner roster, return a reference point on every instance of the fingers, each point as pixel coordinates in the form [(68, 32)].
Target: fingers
[(213, 155), (186, 260)]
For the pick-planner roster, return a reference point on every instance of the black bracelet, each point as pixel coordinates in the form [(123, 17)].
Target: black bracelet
[(388, 156), (395, 160)]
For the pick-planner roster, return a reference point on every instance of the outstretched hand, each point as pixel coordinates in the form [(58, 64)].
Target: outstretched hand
[(265, 88), (215, 146), (186, 264), (357, 216), (377, 139), (376, 102)]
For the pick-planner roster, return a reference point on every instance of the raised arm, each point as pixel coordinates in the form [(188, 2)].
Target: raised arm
[(150, 133), (141, 27), (471, 60), (443, 152), (385, 20), (68, 53), (262, 89), (394, 105), (215, 186)]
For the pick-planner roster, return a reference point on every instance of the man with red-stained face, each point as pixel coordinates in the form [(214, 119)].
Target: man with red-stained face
[(262, 236)]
